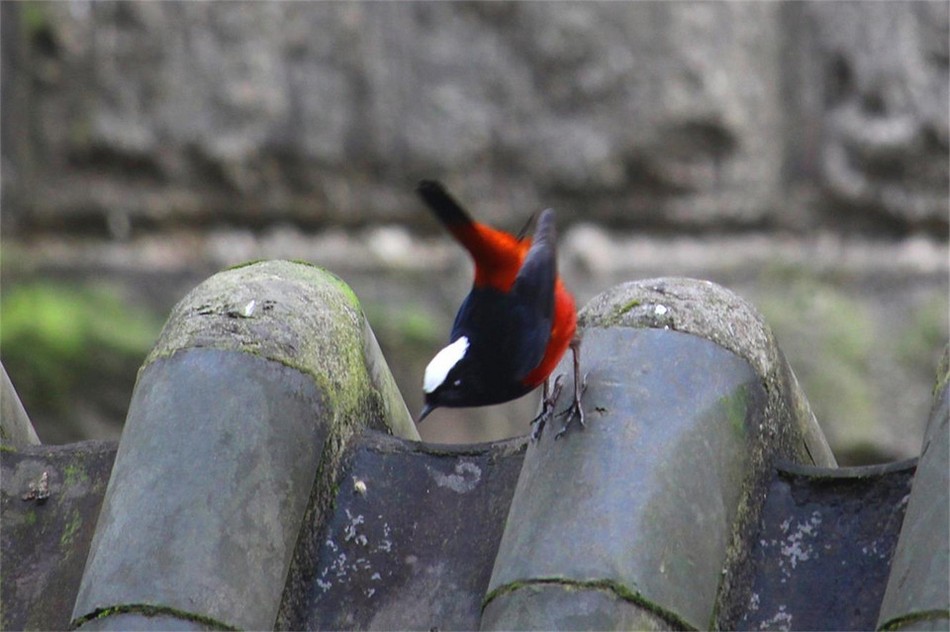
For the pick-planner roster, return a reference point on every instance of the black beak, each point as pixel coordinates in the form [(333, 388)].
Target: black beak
[(428, 408)]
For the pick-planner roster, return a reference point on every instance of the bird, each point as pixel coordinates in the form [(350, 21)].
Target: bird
[(514, 326)]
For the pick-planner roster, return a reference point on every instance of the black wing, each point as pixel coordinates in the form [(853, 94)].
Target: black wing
[(534, 294), (509, 331)]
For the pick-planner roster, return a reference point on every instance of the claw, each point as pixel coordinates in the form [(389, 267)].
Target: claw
[(537, 427), (575, 410), (547, 407)]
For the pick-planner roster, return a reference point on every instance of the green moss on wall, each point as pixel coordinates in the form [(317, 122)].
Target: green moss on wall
[(52, 334), (829, 338)]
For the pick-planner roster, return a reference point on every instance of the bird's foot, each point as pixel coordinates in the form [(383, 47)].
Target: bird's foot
[(547, 408), (574, 411)]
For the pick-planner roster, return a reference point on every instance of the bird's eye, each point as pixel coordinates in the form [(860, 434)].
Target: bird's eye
[(457, 383)]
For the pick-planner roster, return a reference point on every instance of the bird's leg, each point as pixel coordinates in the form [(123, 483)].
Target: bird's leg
[(580, 385), (548, 397)]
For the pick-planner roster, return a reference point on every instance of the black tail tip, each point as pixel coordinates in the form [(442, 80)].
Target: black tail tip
[(438, 199), (426, 187)]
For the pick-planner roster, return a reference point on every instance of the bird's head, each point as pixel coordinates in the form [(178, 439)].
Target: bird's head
[(445, 382)]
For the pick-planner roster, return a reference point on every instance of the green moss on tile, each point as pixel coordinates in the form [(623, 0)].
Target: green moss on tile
[(149, 610), (626, 307), (900, 623), (736, 407), (74, 473), (608, 585), (70, 530), (305, 318), (244, 264)]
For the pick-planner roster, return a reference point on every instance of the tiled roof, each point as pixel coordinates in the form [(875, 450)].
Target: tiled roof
[(258, 484)]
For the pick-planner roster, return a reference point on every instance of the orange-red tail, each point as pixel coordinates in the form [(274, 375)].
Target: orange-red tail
[(497, 254)]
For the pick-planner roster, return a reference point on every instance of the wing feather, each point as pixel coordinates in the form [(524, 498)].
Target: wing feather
[(533, 292)]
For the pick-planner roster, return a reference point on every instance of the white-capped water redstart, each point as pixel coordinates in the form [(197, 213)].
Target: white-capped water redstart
[(513, 327)]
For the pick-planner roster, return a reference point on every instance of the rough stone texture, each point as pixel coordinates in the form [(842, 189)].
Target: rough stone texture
[(822, 557), (712, 312), (557, 606), (298, 315), (918, 593), (43, 542), (645, 497), (412, 538), (214, 539), (132, 622), (273, 366), (15, 426), (789, 430), (674, 114), (869, 94)]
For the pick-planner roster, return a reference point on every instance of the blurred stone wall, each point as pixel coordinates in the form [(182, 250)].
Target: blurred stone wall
[(685, 116), (796, 152)]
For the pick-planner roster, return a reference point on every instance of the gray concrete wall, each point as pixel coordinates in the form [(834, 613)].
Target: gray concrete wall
[(682, 115)]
